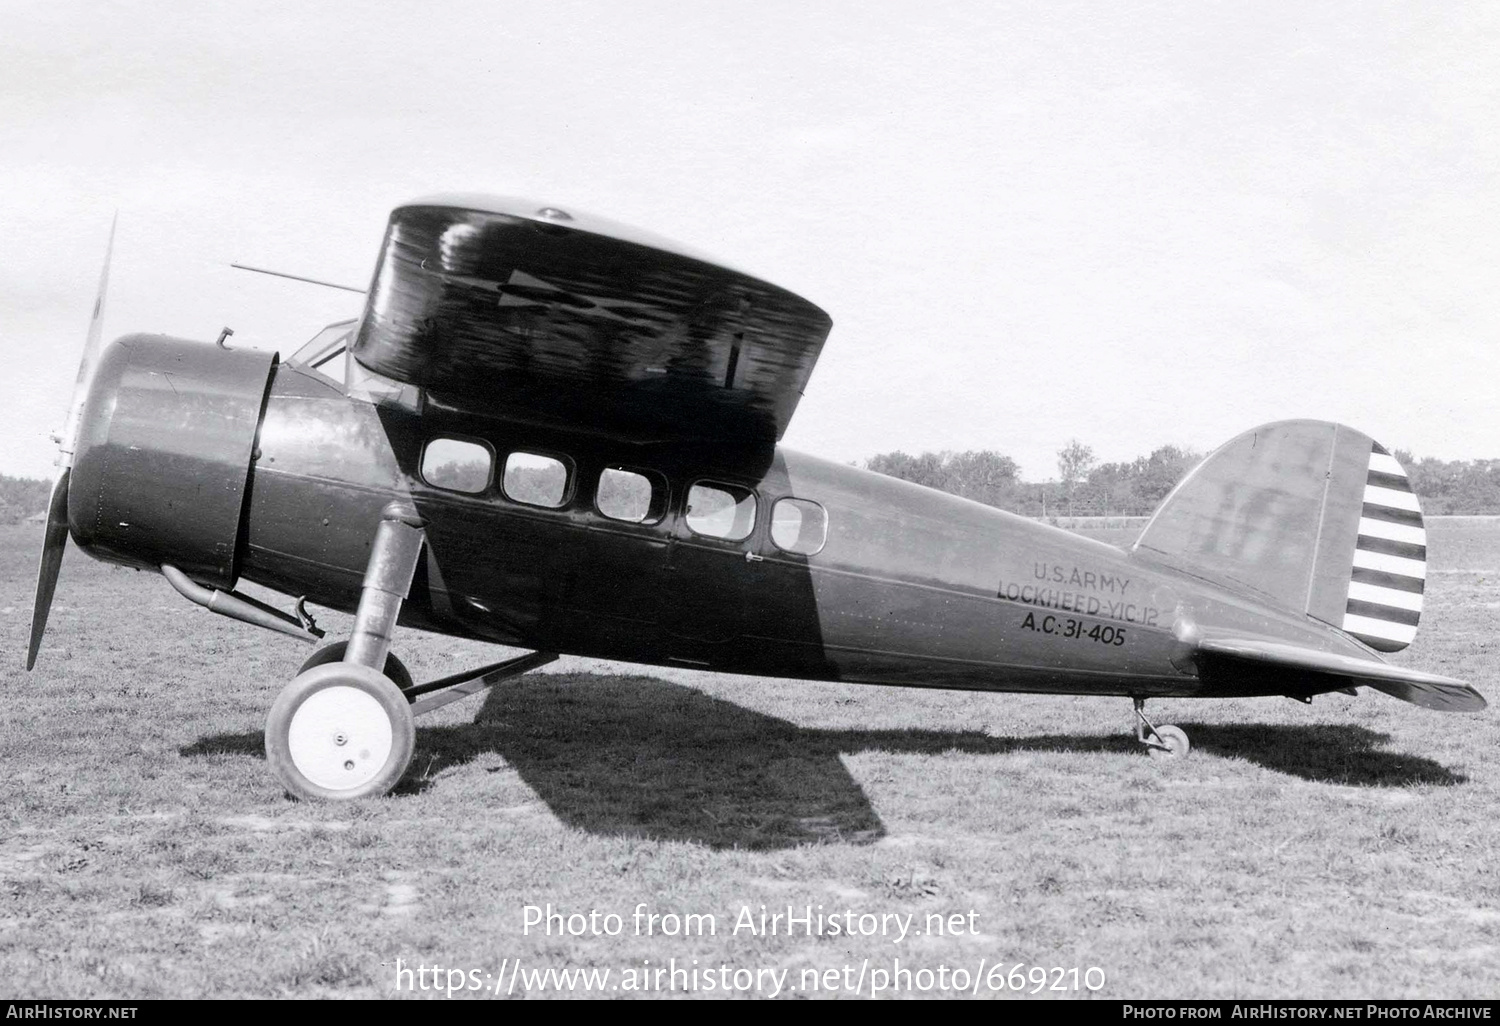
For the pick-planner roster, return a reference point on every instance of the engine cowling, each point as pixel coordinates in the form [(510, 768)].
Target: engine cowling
[(162, 463)]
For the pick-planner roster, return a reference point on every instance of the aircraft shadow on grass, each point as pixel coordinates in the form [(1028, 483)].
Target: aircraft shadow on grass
[(639, 756)]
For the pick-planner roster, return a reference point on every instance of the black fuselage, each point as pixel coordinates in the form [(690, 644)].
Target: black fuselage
[(913, 586)]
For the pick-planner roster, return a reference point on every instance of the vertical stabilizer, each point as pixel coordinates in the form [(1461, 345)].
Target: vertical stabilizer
[(1311, 516)]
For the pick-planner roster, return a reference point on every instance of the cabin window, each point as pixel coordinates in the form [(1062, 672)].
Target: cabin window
[(799, 526), (536, 480), (721, 511), (457, 465), (629, 495)]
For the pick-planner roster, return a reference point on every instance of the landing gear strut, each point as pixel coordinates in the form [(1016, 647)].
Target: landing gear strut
[(343, 728), (1164, 742)]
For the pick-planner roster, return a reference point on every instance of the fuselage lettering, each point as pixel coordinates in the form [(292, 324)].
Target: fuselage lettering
[(1070, 599)]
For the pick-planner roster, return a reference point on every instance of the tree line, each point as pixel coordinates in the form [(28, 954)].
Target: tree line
[(1084, 486), (1453, 486), (1087, 487), (20, 497)]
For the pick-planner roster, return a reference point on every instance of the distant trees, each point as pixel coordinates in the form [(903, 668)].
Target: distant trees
[(1074, 461), (982, 475), (1453, 486), (1086, 486), (20, 497), (1137, 488)]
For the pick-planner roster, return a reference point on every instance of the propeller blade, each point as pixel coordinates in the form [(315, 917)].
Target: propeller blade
[(53, 543), (90, 355), (55, 540)]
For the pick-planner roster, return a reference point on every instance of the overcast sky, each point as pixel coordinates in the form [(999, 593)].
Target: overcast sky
[(1134, 223)]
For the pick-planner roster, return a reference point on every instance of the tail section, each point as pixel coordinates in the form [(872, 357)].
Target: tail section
[(1312, 516)]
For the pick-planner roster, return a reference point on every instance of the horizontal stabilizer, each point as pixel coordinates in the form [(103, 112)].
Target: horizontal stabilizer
[(1429, 690)]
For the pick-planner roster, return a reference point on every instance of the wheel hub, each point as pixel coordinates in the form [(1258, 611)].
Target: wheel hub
[(325, 726)]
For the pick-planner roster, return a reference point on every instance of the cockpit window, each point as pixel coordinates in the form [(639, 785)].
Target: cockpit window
[(327, 352), (335, 364)]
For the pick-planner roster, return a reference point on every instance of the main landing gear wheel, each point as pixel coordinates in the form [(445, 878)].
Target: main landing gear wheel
[(1174, 743), (395, 669), (339, 731)]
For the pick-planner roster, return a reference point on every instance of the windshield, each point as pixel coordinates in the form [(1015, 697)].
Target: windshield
[(326, 351)]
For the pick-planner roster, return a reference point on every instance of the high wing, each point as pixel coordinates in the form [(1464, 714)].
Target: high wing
[(1429, 690), (510, 308)]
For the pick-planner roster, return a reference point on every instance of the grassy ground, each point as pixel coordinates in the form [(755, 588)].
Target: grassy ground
[(1342, 849)]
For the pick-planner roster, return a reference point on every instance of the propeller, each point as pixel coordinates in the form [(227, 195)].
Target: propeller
[(55, 538)]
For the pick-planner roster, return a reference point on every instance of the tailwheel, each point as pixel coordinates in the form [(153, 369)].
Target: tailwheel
[(1174, 743), (395, 669), (1164, 742), (339, 731)]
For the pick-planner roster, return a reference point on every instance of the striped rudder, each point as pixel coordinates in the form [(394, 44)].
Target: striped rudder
[(1389, 570), (1306, 515)]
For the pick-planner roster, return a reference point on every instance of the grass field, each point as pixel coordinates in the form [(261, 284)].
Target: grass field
[(1347, 848)]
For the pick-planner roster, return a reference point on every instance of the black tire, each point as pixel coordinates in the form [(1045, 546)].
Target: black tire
[(358, 723), (1176, 740), (333, 652)]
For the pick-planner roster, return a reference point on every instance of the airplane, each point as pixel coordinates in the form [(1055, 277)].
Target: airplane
[(552, 432)]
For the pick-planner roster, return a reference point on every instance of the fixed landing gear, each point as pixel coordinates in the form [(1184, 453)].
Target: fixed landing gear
[(343, 729), (1164, 742)]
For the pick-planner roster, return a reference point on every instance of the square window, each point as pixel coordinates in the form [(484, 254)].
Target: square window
[(536, 480), (721, 511), (799, 526), (627, 495), (457, 465)]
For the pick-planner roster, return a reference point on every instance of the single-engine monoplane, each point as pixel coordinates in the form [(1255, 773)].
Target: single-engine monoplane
[(551, 432)]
